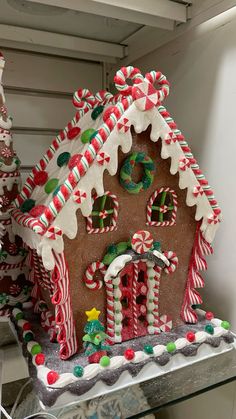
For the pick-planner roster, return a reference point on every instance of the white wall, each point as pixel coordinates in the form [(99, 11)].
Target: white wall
[(202, 72), (201, 66), (39, 111)]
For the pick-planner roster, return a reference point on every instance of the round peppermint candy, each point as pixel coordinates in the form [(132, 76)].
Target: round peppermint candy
[(142, 241)]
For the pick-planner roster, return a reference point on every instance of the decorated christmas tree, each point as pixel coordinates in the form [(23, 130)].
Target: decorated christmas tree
[(95, 337), (13, 285)]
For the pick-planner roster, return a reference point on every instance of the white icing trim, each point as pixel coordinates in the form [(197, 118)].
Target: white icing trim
[(116, 266), (162, 257)]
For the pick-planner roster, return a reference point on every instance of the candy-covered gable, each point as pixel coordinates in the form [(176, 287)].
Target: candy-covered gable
[(142, 216)]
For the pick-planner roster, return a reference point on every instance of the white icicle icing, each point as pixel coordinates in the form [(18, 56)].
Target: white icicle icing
[(13, 273), (116, 266), (8, 168), (161, 256), (8, 182)]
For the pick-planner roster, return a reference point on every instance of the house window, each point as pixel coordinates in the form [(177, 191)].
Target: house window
[(162, 208), (104, 214)]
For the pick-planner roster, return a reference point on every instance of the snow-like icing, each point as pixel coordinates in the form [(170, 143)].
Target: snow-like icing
[(8, 168), (9, 182), (116, 266), (92, 370), (13, 273), (6, 137), (162, 257)]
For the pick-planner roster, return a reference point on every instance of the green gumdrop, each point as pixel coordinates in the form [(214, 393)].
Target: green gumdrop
[(225, 325), (108, 258), (171, 347), (148, 349), (209, 329), (157, 246), (36, 349), (105, 361), (19, 316), (63, 159), (85, 137), (78, 371), (51, 185), (96, 112), (27, 205), (28, 337)]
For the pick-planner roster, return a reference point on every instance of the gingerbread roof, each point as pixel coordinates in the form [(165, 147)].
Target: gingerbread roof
[(64, 178)]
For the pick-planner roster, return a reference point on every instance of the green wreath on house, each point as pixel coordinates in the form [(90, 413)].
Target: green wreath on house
[(127, 170)]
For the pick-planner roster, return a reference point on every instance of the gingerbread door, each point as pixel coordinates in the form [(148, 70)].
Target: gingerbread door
[(136, 290)]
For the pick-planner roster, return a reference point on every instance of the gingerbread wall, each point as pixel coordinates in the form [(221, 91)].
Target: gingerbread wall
[(87, 248)]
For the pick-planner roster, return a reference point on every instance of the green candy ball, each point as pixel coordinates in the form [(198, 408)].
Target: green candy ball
[(51, 185), (171, 347), (63, 159), (225, 325), (96, 112), (85, 137), (105, 361), (209, 329), (27, 205), (78, 371), (28, 337), (19, 316), (148, 349), (36, 349)]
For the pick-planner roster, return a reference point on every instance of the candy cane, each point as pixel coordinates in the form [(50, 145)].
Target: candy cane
[(157, 76), (173, 259), (90, 272), (81, 94), (127, 73), (104, 96)]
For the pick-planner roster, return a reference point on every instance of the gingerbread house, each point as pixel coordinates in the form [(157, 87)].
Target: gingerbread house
[(117, 214)]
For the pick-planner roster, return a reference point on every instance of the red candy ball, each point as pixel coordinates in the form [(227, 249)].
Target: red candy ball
[(73, 132), (209, 315), (40, 178), (129, 354), (190, 336), (40, 359), (26, 326), (52, 377), (37, 211), (74, 160)]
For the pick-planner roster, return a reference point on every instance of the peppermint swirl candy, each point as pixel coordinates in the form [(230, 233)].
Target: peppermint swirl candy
[(127, 169)]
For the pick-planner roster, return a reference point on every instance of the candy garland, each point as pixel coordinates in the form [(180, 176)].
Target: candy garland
[(214, 328), (201, 248), (61, 298), (33, 347), (170, 222), (126, 173)]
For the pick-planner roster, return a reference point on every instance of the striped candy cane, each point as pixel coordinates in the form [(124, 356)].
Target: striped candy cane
[(83, 99), (173, 259), (135, 311), (127, 73), (160, 79), (110, 311), (89, 275)]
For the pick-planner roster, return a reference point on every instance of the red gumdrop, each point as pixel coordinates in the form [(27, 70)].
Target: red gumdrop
[(40, 178), (209, 315), (37, 211), (39, 359), (26, 326), (190, 336), (52, 377), (74, 160), (73, 132), (129, 354)]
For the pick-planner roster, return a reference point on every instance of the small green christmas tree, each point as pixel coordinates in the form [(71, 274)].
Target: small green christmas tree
[(95, 335)]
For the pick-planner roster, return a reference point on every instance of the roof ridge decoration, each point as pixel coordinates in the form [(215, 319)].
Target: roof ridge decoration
[(138, 104)]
